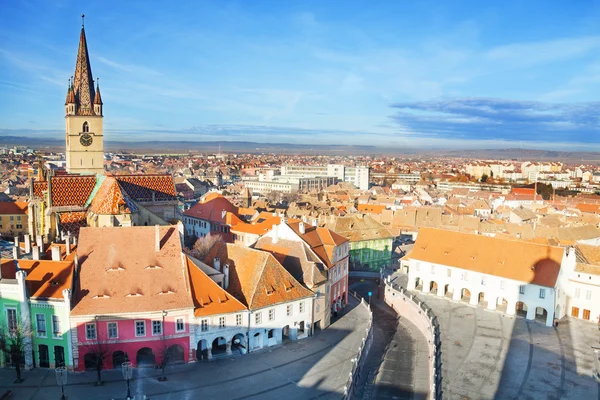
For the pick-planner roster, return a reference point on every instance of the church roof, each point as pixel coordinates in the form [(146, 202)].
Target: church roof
[(111, 199), (83, 83), (158, 187)]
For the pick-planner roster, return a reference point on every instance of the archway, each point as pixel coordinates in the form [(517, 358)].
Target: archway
[(286, 334), (118, 358), (238, 342), (90, 360), (481, 300), (59, 356), (521, 309), (219, 346), (145, 357), (465, 295), (301, 330), (448, 291), (175, 354), (257, 341), (502, 304), (202, 350), (418, 283), (433, 287), (541, 314)]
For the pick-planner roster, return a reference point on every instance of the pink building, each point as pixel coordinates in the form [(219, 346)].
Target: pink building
[(132, 299)]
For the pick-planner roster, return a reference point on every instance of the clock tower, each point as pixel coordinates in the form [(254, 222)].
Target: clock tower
[(83, 108)]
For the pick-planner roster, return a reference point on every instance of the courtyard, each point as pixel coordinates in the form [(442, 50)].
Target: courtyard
[(491, 355)]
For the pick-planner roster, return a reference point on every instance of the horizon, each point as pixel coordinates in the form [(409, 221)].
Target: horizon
[(407, 76)]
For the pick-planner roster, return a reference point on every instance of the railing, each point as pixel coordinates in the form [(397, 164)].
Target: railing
[(361, 354), (421, 315)]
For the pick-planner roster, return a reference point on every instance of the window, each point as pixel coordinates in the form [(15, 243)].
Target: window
[(40, 321), (157, 327), (301, 307), (502, 285), (11, 319), (466, 276), (588, 294), (433, 269), (577, 293), (522, 289), (289, 310), (85, 127), (542, 293), (238, 319), (140, 328), (271, 314), (258, 318), (113, 331), (204, 325), (179, 325), (90, 331), (483, 281), (56, 325), (449, 273)]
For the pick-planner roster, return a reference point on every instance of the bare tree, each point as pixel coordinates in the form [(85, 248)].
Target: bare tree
[(164, 353), (100, 353), (12, 342), (203, 246)]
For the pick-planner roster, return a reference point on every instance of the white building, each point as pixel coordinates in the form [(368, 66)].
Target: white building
[(583, 299), (359, 176), (508, 275), (279, 306)]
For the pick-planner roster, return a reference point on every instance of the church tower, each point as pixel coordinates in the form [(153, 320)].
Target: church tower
[(83, 108)]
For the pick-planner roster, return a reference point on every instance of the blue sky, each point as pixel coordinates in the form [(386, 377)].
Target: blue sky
[(460, 74)]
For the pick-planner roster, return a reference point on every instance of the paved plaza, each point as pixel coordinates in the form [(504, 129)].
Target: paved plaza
[(490, 355), (316, 367)]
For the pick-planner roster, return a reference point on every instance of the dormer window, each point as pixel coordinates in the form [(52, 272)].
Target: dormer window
[(86, 127)]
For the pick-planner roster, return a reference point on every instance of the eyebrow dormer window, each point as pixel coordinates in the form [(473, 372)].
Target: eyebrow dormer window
[(86, 127)]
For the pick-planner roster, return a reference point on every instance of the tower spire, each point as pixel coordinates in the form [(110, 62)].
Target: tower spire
[(82, 20), (83, 84)]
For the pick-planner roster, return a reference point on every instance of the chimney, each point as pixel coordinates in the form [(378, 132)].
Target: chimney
[(15, 252), (223, 214), (27, 244), (314, 222), (217, 263), (226, 277), (55, 253), (301, 228), (68, 244), (157, 238), (275, 234), (39, 241), (17, 242), (35, 252)]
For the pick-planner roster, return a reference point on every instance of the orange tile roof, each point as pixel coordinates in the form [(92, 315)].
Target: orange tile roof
[(122, 272), (523, 191), (511, 259), (256, 278), (588, 208), (211, 207), (39, 187), (45, 278), (371, 208), (209, 298), (321, 240), (159, 187), (13, 207), (111, 199)]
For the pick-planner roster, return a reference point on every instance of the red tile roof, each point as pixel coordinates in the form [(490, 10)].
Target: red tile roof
[(256, 278), (321, 240), (212, 207), (111, 199), (159, 187), (72, 190), (13, 208)]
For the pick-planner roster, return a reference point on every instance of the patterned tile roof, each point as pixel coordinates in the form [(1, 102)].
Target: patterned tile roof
[(83, 83), (72, 221), (142, 187), (39, 187), (111, 199), (72, 190)]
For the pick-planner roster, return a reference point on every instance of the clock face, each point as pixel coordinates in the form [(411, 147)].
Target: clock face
[(86, 139)]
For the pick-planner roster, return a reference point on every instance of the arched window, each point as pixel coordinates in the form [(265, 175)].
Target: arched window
[(86, 127)]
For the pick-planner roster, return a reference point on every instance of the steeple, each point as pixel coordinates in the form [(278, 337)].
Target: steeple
[(83, 83), (98, 99)]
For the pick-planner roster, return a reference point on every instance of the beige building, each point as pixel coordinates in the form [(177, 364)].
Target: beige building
[(13, 218), (83, 109)]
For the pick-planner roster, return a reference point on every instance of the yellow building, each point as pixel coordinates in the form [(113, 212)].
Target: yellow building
[(13, 218)]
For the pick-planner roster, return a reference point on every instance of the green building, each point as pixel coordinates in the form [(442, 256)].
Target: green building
[(43, 307), (370, 241)]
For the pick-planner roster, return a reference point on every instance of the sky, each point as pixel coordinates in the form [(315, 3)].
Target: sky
[(397, 74)]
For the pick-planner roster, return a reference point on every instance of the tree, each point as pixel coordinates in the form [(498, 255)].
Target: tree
[(13, 342), (203, 245), (100, 354), (164, 353), (484, 177)]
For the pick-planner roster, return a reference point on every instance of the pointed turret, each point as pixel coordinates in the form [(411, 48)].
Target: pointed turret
[(83, 83), (70, 102), (98, 99)]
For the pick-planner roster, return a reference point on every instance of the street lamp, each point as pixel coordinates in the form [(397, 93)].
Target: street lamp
[(61, 380), (127, 369)]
